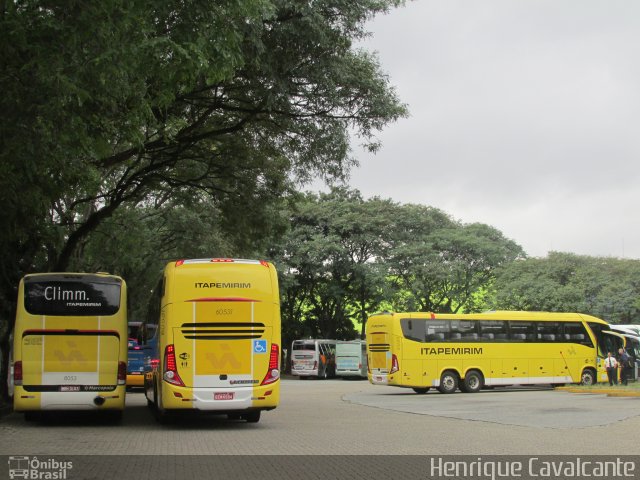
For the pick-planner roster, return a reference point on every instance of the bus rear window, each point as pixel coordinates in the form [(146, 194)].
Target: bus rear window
[(303, 346), (71, 297)]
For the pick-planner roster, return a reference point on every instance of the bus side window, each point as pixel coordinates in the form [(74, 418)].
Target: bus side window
[(522, 331), (578, 333)]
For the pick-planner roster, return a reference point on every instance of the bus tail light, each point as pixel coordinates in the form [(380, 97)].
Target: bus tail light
[(17, 373), (394, 364), (170, 374), (122, 373), (273, 373)]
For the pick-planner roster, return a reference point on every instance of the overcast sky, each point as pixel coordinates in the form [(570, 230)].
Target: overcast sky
[(523, 115)]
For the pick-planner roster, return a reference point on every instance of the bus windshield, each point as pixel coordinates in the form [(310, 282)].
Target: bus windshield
[(70, 295)]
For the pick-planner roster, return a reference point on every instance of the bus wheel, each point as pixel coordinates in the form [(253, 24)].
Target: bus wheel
[(473, 382), (252, 417), (421, 391), (588, 377), (448, 382)]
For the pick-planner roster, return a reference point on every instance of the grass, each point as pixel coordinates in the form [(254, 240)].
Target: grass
[(606, 386), (632, 389)]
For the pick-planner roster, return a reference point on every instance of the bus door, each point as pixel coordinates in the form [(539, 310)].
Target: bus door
[(221, 345)]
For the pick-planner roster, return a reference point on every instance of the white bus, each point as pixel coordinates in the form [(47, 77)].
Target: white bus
[(632, 329), (313, 358), (351, 359)]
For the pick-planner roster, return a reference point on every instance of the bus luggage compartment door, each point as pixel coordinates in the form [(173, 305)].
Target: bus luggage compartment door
[(222, 350), (70, 358)]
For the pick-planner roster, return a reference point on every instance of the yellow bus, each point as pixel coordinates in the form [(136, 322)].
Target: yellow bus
[(217, 348), (472, 351), (70, 343)]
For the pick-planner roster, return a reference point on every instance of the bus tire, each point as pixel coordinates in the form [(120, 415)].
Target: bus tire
[(152, 403), (473, 382), (448, 382), (158, 412), (421, 390), (252, 417), (588, 377)]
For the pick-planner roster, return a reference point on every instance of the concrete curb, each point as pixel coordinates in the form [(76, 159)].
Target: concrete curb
[(609, 392)]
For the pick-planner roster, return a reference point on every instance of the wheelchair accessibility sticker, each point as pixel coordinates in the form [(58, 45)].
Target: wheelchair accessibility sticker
[(259, 346)]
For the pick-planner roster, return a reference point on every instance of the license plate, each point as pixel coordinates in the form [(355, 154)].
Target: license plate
[(223, 396), (70, 388)]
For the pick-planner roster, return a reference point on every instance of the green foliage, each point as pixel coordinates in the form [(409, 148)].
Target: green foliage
[(112, 108), (439, 265), (114, 104), (329, 263), (608, 288), (344, 258)]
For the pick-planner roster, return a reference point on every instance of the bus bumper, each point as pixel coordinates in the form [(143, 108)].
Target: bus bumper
[(24, 401), (378, 379), (304, 373), (221, 399)]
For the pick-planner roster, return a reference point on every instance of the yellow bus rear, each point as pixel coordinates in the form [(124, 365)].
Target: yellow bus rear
[(469, 352), (70, 343), (218, 341)]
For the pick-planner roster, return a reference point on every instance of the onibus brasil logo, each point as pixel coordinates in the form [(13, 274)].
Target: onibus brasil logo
[(38, 469)]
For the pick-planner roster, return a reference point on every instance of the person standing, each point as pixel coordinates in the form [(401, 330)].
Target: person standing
[(624, 360), (611, 364)]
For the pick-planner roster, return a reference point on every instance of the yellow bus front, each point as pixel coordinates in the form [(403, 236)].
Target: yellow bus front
[(220, 337), (70, 343)]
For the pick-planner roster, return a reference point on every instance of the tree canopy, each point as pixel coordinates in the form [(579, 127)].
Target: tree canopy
[(117, 116), (123, 104), (608, 288), (344, 257)]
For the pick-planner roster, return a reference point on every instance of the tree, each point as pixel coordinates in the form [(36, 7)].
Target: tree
[(114, 104), (439, 265), (564, 282), (136, 243), (330, 264)]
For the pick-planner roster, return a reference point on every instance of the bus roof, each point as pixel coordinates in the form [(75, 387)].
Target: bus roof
[(499, 315)]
